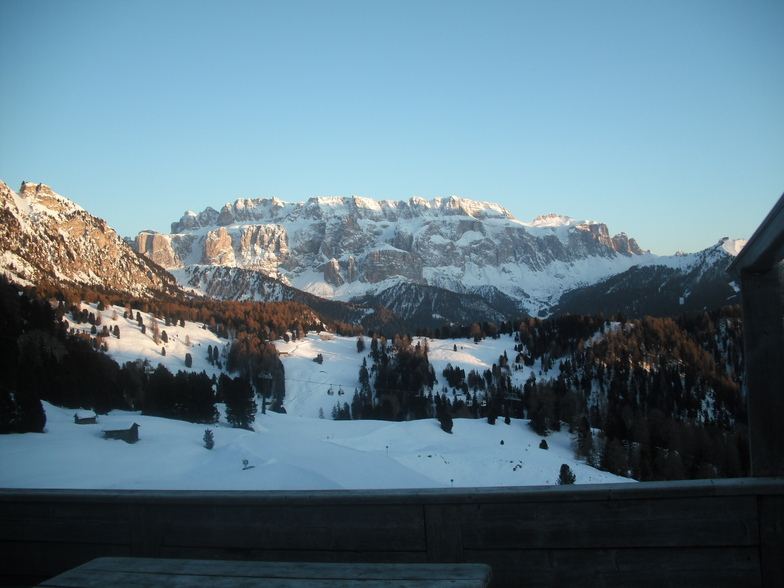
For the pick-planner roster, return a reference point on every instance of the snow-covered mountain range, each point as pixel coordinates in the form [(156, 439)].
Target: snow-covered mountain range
[(424, 263), (415, 256)]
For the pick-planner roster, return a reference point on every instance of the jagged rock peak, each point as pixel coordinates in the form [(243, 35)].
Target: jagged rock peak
[(626, 246), (41, 196), (272, 210), (553, 220), (191, 221), (620, 243)]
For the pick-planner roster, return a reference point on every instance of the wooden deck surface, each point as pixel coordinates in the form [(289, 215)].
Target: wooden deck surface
[(189, 573)]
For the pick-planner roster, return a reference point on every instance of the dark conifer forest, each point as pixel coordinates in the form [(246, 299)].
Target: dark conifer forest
[(650, 398)]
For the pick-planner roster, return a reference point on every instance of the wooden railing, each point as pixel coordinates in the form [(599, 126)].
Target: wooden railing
[(698, 533)]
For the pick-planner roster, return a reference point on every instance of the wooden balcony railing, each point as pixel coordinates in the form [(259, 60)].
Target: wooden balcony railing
[(697, 533)]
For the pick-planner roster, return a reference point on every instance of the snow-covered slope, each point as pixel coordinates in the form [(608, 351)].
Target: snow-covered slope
[(290, 451), (287, 453), (672, 285)]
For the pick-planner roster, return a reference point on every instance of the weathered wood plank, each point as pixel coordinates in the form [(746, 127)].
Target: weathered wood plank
[(385, 528), (162, 572), (772, 540), (444, 533), (34, 510), (46, 559), (629, 523), (462, 496), (440, 571), (763, 336), (273, 554), (67, 531), (642, 568), (131, 580)]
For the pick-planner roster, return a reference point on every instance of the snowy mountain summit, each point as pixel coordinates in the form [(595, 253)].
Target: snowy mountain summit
[(46, 237), (359, 248)]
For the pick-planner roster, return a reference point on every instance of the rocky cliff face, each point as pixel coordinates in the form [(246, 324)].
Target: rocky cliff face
[(45, 237), (343, 248)]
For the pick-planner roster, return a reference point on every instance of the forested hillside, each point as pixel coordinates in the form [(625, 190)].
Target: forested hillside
[(652, 398), (53, 349)]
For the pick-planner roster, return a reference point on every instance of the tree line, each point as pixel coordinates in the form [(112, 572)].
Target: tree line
[(651, 398), (41, 358)]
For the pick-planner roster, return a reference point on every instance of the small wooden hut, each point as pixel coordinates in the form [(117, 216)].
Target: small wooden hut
[(85, 417), (129, 434)]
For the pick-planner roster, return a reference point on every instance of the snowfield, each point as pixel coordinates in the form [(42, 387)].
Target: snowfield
[(294, 451)]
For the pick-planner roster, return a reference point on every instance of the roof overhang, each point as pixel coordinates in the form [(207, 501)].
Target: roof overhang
[(766, 246)]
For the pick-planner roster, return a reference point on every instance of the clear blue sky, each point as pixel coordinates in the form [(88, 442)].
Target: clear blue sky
[(663, 119)]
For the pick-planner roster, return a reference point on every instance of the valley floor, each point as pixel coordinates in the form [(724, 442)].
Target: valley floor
[(287, 453)]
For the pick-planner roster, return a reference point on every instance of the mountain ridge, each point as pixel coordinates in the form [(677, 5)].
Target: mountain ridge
[(362, 250), (428, 262), (47, 237)]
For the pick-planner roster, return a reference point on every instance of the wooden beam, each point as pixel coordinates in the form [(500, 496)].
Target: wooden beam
[(766, 246), (758, 267), (763, 334)]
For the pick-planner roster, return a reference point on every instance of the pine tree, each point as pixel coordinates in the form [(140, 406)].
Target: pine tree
[(209, 441), (566, 476), (584, 439), (492, 413), (238, 395), (20, 412), (443, 416)]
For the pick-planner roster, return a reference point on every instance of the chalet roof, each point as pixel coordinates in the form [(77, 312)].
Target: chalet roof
[(766, 246), (121, 426)]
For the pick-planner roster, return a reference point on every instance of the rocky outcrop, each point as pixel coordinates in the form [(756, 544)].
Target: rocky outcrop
[(47, 238), (218, 248), (158, 248), (332, 274)]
